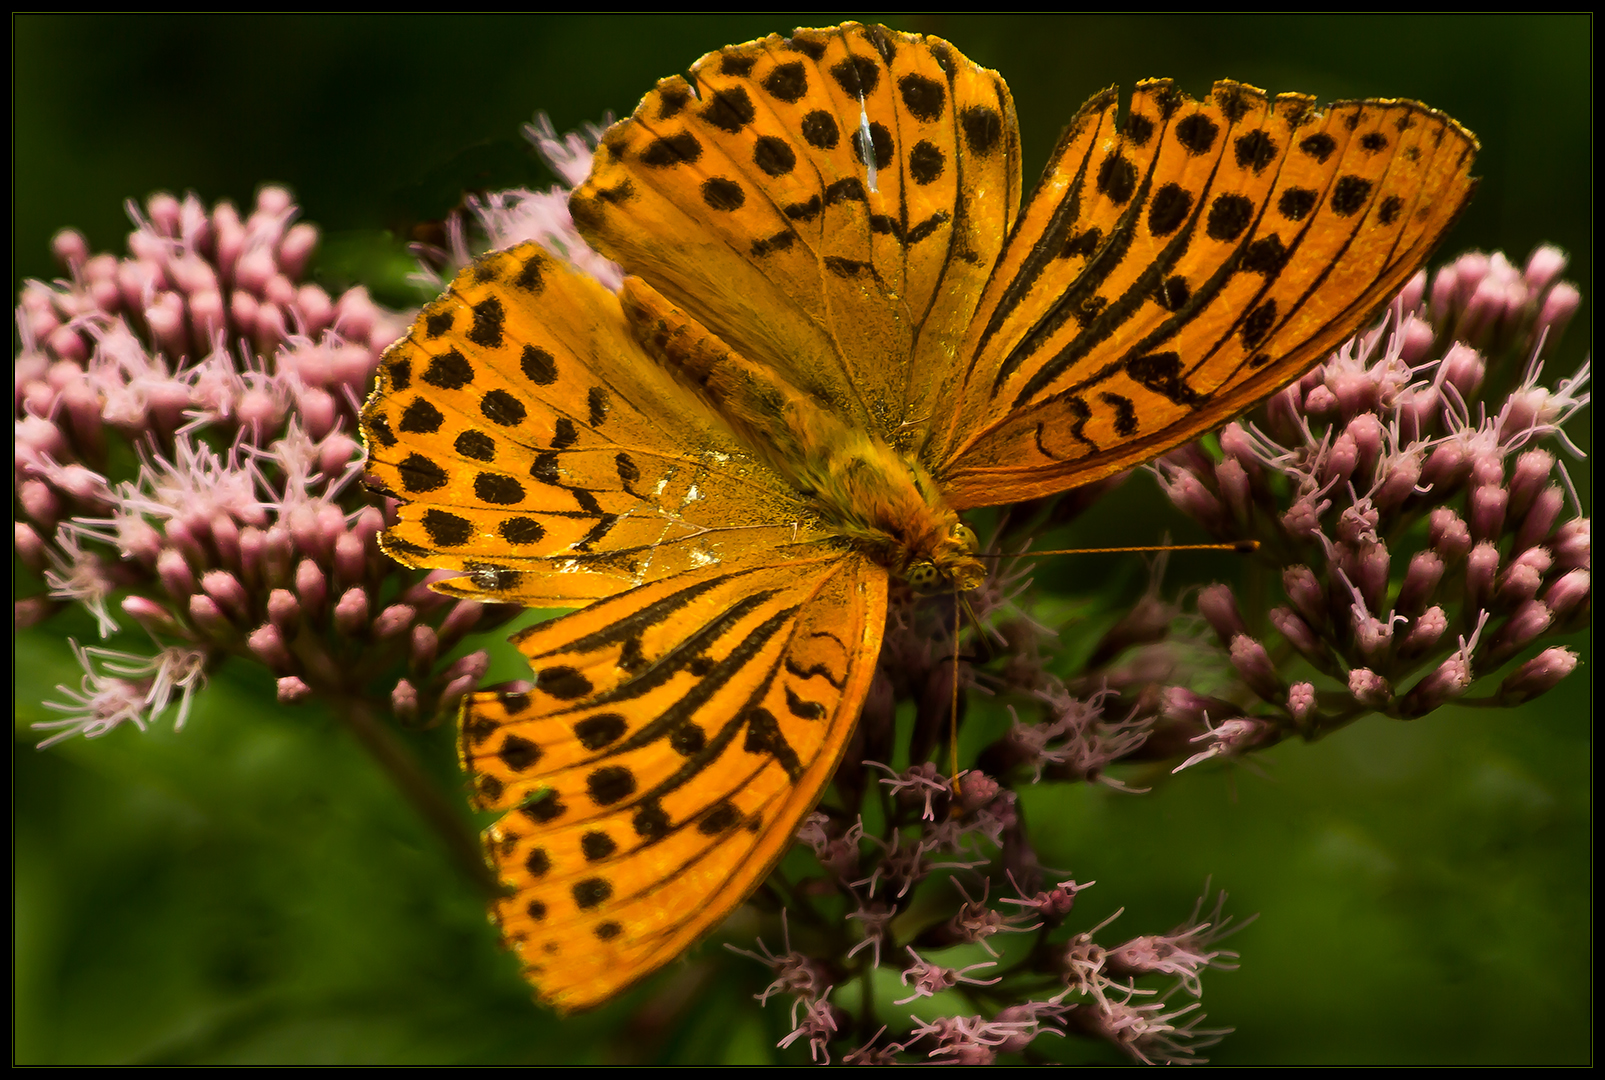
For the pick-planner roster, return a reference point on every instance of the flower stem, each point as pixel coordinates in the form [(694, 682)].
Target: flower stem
[(421, 792)]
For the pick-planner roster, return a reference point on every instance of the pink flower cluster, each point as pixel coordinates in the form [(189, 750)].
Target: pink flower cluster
[(185, 424)]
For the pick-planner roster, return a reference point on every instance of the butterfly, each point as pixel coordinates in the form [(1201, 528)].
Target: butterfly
[(840, 330)]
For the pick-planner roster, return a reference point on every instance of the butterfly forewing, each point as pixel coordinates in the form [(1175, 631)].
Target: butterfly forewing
[(856, 182), (1202, 270), (672, 740), (542, 453)]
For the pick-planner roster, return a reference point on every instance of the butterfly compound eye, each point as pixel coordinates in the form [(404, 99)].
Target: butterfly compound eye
[(923, 575), (966, 536)]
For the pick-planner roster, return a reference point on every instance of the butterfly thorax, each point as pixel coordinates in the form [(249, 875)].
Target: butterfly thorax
[(875, 496)]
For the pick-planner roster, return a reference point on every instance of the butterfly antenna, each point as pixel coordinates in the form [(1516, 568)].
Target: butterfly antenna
[(1242, 547)]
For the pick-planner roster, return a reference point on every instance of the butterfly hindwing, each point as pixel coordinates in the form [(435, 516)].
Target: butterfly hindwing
[(659, 766), (1190, 267), (829, 204), (542, 453)]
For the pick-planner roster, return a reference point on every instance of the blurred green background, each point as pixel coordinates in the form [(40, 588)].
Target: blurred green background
[(250, 890)]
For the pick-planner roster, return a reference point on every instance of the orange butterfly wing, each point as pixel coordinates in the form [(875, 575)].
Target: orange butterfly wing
[(751, 198), (1169, 276), (661, 764), (680, 726)]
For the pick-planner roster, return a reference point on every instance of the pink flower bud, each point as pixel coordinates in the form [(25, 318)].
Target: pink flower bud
[(461, 619), (1424, 633), (1481, 567), (1358, 524), (297, 248), (260, 413), (1303, 518), (1232, 481), (1320, 401), (318, 411), (40, 503), (1301, 701), (369, 524), (1573, 545), (230, 237), (1446, 466), (1448, 535), (226, 539), (1530, 619), (1415, 340), (284, 612), (1297, 632), (1556, 314), (154, 617), (1340, 460), (350, 559), (1219, 607), (1450, 680), (1517, 584), (165, 317), (351, 612), (267, 644), (315, 308), (1445, 284), (1236, 444), (1487, 511), (207, 314), (292, 691), (1192, 497), (1414, 290), (226, 589), (1540, 518), (1370, 574), (1373, 636), (1398, 481), (312, 587), (175, 574), (254, 268), (1254, 665), (336, 453), (243, 310), (70, 249), (1420, 581), (1182, 705), (393, 621), (1528, 479), (280, 292), (208, 617), (474, 665), (1537, 676), (425, 647), (1304, 589), (30, 547), (1567, 591), (404, 701), (1464, 369), (1354, 390), (355, 315), (271, 328), (1366, 431), (277, 551), (452, 694), (33, 610), (1368, 688), (1544, 265), (1282, 415)]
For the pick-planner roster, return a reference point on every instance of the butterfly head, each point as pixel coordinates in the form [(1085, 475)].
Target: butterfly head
[(951, 566)]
